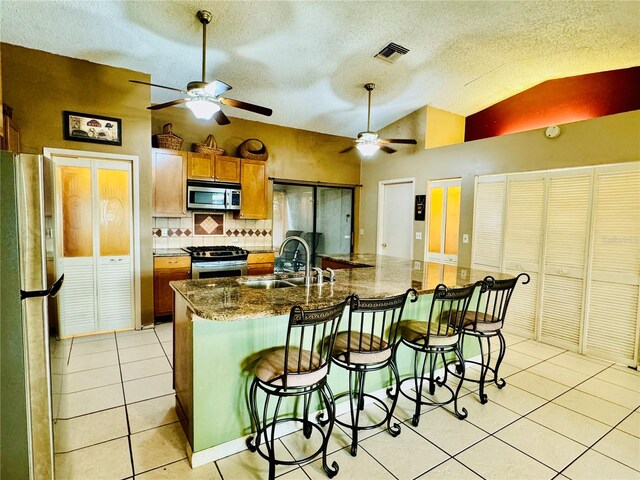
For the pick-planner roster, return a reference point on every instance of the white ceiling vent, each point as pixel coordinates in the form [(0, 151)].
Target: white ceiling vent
[(391, 53)]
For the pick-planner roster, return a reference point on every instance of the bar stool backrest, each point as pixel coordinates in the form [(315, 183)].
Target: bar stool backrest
[(375, 317), (447, 310), (493, 301), (305, 350)]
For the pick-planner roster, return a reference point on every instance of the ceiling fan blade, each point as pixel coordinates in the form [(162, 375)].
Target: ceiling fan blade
[(168, 104), (348, 149), (386, 149), (407, 141), (217, 87), (156, 85), (221, 118), (246, 106)]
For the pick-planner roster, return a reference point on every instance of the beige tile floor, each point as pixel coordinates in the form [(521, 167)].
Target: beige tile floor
[(561, 415)]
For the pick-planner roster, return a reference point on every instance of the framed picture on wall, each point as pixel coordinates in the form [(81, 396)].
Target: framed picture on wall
[(84, 127)]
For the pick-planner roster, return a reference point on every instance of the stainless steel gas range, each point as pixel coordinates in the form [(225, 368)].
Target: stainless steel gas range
[(219, 261)]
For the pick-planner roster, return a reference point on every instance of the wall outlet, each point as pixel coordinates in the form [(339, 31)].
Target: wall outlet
[(362, 231), (164, 232), (417, 265), (418, 235), (465, 238), (235, 239)]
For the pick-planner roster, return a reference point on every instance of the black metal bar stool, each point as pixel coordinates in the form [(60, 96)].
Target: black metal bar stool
[(436, 336), (486, 322), (296, 370), (365, 347)]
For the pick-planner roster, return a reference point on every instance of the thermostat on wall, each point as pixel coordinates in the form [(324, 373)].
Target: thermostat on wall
[(552, 131)]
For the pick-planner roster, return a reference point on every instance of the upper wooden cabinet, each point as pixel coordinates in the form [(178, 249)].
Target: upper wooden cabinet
[(169, 183), (253, 179), (201, 166)]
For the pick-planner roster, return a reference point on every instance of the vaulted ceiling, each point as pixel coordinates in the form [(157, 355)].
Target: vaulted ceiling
[(308, 60)]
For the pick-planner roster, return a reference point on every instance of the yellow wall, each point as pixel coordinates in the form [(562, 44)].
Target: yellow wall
[(443, 128), (609, 139), (39, 86)]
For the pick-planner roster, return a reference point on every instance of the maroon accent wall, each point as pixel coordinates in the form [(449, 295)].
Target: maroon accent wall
[(558, 101)]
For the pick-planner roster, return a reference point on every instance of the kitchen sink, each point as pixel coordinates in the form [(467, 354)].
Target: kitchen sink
[(277, 283), (269, 284)]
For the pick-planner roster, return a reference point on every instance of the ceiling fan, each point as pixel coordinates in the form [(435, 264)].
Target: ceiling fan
[(370, 142), (203, 98)]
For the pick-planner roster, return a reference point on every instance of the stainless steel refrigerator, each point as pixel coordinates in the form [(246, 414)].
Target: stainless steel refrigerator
[(26, 233)]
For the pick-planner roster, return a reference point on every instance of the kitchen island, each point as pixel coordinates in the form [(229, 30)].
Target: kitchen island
[(221, 325)]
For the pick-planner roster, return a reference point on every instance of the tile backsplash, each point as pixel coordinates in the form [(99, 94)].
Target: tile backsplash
[(181, 232)]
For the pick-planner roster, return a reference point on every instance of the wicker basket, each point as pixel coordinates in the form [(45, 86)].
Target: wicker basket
[(253, 149), (168, 139), (209, 147)]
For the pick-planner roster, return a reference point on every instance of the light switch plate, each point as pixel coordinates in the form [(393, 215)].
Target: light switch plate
[(465, 238), (418, 235), (362, 231)]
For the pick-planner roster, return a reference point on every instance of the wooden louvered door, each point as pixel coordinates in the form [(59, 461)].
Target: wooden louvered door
[(612, 310), (523, 241), (94, 251), (488, 219), (566, 244)]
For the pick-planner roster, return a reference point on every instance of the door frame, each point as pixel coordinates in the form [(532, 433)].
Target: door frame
[(135, 190), (381, 186)]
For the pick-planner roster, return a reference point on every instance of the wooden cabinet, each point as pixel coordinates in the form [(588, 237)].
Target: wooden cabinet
[(253, 178), (201, 166), (11, 138), (260, 263), (169, 183), (165, 270)]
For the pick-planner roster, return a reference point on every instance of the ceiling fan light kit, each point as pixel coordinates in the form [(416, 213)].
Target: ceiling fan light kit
[(368, 143), (202, 98)]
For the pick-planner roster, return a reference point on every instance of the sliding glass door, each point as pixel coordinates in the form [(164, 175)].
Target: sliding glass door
[(322, 215)]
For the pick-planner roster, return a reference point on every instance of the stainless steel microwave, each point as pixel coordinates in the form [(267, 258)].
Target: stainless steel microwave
[(212, 196)]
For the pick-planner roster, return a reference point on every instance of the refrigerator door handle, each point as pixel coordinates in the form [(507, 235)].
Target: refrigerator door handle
[(51, 291), (57, 285)]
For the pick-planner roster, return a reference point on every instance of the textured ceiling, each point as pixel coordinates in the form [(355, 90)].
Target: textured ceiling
[(308, 60)]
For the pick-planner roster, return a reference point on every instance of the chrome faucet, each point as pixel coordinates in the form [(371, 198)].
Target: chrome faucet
[(319, 274), (307, 269)]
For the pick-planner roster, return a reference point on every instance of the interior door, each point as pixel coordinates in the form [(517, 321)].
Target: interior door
[(395, 229), (94, 211), (523, 241), (567, 235), (614, 287), (444, 221)]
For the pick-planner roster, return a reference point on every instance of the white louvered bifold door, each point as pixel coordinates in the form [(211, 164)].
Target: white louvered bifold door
[(488, 219), (115, 307), (612, 311), (523, 239), (567, 236)]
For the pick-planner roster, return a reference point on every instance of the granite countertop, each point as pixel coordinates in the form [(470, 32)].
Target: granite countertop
[(227, 299), (169, 252)]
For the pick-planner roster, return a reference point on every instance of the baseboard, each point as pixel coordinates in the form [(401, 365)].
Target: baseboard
[(208, 455)]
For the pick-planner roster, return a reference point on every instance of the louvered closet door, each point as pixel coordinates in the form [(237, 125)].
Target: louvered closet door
[(77, 304), (115, 266), (612, 312), (567, 234), (488, 222), (523, 239)]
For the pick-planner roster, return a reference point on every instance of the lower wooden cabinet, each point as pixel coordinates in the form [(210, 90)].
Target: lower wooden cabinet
[(260, 263), (165, 270)]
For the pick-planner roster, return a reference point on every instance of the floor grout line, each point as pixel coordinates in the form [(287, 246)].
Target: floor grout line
[(126, 411)]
